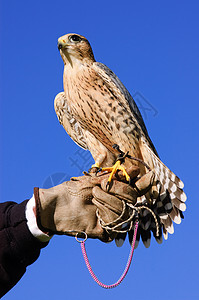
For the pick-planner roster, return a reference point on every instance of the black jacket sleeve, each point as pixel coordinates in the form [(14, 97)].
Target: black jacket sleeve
[(18, 247)]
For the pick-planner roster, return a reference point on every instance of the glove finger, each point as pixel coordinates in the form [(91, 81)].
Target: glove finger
[(133, 172), (107, 215), (107, 200), (87, 181), (121, 190), (145, 182)]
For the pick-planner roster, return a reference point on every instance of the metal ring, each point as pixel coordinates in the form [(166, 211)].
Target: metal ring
[(84, 238)]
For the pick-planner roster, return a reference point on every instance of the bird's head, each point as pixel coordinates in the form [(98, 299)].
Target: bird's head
[(75, 48)]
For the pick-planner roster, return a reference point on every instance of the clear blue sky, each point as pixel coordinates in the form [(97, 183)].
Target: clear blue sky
[(153, 47)]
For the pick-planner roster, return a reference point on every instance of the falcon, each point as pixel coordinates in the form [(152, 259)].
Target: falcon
[(97, 112)]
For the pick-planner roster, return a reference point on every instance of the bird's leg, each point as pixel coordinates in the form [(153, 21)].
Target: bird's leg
[(117, 166), (96, 165), (95, 168)]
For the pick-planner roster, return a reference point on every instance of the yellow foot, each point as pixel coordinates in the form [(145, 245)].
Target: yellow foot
[(117, 166), (95, 168), (96, 165)]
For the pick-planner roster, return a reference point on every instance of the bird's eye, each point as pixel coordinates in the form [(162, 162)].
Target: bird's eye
[(75, 38)]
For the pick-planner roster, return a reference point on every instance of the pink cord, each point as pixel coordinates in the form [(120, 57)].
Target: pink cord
[(125, 270)]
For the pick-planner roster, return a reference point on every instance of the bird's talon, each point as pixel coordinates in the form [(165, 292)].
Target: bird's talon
[(108, 185), (86, 173), (98, 170)]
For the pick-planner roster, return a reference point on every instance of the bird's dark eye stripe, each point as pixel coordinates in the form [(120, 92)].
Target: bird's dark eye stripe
[(75, 38)]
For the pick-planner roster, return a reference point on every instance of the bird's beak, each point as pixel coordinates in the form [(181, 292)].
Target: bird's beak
[(61, 43)]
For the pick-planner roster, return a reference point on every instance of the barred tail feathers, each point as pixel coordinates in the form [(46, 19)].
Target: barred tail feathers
[(166, 199), (170, 203)]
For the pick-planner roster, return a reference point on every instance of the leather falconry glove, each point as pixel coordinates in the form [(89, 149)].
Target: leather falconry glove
[(109, 201), (68, 208)]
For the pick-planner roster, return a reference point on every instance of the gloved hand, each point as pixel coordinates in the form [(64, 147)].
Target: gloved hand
[(68, 208)]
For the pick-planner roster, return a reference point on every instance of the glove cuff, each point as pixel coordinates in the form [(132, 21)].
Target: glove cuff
[(38, 215)]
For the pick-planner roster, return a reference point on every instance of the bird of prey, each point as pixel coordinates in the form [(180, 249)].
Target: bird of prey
[(97, 111)]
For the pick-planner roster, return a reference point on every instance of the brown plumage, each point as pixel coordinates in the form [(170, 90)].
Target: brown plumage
[(97, 112)]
